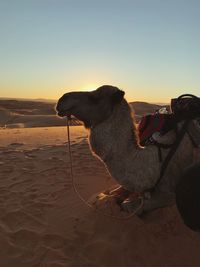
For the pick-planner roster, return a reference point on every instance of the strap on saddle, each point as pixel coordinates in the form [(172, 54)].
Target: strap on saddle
[(169, 156)]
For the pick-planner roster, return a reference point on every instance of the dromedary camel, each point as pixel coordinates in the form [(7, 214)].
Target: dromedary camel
[(113, 138)]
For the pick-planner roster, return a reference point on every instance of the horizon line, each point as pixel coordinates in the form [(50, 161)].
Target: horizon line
[(55, 100)]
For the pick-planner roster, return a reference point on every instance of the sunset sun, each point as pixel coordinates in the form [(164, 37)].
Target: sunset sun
[(90, 86)]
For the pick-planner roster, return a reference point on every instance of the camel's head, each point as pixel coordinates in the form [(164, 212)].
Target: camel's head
[(92, 107)]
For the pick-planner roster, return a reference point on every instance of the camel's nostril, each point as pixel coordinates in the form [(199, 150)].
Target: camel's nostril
[(61, 114)]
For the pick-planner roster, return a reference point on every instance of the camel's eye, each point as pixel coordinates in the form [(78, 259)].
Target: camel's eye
[(117, 97)]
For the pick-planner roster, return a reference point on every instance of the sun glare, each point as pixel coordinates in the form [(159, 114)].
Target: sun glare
[(90, 87)]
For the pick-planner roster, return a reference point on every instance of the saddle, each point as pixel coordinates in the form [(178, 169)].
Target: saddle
[(157, 128), (154, 128)]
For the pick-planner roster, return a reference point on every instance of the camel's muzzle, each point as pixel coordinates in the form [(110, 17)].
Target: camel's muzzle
[(61, 108), (63, 113)]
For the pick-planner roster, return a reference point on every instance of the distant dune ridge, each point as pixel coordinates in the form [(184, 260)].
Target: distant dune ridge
[(19, 113), (25, 114)]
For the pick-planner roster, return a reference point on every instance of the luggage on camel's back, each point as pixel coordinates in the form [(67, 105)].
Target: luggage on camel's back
[(151, 124), (185, 107)]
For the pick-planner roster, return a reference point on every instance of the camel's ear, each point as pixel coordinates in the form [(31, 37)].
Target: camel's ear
[(118, 96)]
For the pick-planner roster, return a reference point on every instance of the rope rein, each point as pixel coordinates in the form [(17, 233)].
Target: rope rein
[(71, 169), (79, 195)]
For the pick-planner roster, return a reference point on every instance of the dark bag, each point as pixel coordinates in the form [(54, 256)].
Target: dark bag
[(186, 106)]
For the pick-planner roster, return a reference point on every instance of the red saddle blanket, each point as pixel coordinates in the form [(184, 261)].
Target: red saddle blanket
[(152, 123)]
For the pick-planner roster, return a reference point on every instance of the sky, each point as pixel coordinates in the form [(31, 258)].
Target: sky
[(148, 48)]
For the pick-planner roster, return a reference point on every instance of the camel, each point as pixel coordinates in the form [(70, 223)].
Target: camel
[(187, 197), (113, 138)]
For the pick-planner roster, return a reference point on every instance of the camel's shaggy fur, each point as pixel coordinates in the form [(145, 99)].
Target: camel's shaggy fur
[(114, 139)]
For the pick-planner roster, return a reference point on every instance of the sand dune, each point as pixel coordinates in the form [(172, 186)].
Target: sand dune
[(14, 120), (43, 223), (143, 108), (26, 114), (7, 117)]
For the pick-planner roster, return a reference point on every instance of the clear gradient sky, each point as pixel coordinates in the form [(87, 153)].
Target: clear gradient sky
[(149, 48)]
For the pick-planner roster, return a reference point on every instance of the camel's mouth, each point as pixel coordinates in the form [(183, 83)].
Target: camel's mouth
[(63, 113)]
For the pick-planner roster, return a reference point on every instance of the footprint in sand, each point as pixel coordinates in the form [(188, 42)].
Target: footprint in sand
[(16, 220), (54, 241), (16, 144), (25, 238)]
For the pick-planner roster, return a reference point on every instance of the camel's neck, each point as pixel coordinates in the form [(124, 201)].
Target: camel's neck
[(115, 142), (116, 135)]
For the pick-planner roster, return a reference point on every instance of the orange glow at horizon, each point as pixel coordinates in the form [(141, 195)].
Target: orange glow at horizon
[(90, 87)]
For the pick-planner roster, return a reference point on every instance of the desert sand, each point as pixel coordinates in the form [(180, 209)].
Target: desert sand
[(43, 222)]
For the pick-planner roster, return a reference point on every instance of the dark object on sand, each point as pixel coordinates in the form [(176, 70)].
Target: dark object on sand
[(188, 197)]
